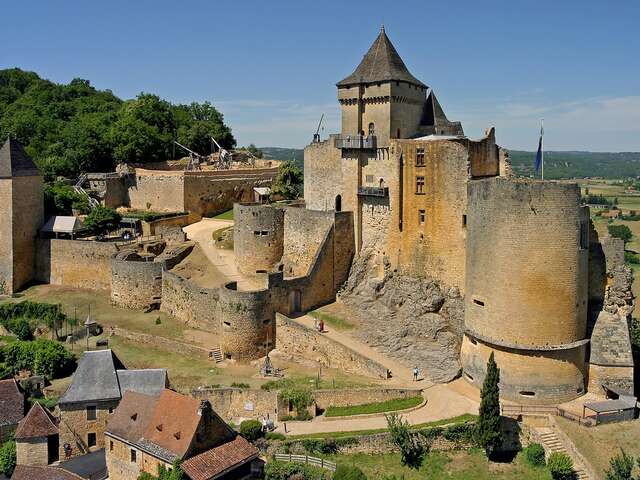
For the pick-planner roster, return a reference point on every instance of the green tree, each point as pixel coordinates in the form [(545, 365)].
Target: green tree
[(251, 430), (8, 458), (197, 123), (288, 182), (560, 466), (620, 467), (255, 151), (411, 450), (487, 433), (620, 231), (102, 220)]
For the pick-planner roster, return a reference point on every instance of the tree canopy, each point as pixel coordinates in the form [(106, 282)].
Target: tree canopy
[(74, 128), (487, 433)]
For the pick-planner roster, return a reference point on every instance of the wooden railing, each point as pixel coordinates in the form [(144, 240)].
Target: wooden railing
[(316, 462), (546, 410)]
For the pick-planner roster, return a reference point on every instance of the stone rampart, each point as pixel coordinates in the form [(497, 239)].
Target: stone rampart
[(360, 396), (75, 263), (296, 339), (232, 403), (189, 303), (258, 237), (160, 226), (135, 283), (304, 231)]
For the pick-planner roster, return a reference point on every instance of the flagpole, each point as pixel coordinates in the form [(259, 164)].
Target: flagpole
[(542, 146)]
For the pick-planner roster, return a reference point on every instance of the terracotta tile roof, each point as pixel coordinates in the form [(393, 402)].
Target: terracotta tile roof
[(219, 460), (38, 423), (23, 472), (174, 422), (132, 416), (11, 402)]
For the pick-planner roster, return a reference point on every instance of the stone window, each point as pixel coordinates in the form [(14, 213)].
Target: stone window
[(91, 439), (527, 393), (227, 324), (133, 456), (419, 157), (422, 216), (420, 185), (480, 303), (369, 178), (92, 413), (464, 221), (372, 129), (111, 445), (267, 321)]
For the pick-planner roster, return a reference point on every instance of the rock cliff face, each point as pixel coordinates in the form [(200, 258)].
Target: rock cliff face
[(415, 320)]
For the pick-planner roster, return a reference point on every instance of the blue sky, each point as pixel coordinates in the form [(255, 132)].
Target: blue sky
[(271, 66)]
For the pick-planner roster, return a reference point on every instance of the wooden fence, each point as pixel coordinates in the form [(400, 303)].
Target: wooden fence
[(316, 462)]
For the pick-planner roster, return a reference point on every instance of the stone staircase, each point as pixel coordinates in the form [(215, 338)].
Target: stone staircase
[(552, 443), (216, 355)]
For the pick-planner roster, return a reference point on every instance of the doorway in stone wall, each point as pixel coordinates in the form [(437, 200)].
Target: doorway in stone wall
[(338, 203), (296, 301)]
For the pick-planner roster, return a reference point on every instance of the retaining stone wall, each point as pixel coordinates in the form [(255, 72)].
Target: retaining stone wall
[(359, 396), (232, 402), (189, 303)]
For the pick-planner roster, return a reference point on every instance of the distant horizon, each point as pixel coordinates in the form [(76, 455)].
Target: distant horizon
[(271, 69)]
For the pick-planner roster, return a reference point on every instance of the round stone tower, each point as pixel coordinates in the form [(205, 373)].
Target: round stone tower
[(258, 237), (526, 288)]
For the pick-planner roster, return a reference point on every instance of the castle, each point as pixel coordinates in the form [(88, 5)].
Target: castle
[(399, 191)]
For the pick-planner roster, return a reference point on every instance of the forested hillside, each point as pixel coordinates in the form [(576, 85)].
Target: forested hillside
[(68, 129), (556, 164)]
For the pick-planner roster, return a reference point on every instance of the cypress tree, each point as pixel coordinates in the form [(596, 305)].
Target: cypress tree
[(487, 433)]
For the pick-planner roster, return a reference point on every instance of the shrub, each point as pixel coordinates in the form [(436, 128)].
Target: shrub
[(348, 472), (631, 258), (274, 436), (21, 328), (251, 430), (8, 458), (534, 454), (620, 231), (411, 451), (14, 315), (240, 385), (102, 220), (561, 466), (42, 357), (158, 321), (283, 471), (325, 446), (458, 433), (620, 467)]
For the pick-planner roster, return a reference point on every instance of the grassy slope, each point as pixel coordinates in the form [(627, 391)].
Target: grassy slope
[(438, 465), (334, 321), (228, 215), (379, 407)]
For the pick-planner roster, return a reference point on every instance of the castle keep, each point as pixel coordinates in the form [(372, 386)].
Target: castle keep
[(428, 201)]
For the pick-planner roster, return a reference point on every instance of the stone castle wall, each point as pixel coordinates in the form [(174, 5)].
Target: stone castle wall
[(360, 396), (189, 303), (6, 237), (258, 237), (135, 284), (157, 191), (75, 263), (232, 403), (304, 232), (526, 288)]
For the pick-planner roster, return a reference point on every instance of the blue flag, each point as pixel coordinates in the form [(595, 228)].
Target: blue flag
[(539, 154)]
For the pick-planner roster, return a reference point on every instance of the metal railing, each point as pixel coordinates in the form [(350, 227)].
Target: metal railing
[(316, 462), (546, 410), (355, 141), (373, 191)]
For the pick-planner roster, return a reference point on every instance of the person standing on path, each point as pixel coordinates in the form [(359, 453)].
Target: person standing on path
[(416, 371)]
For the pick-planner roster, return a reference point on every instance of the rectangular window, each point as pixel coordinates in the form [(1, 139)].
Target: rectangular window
[(584, 236), (369, 178), (111, 445), (133, 456), (419, 157), (92, 413), (420, 185), (422, 216), (464, 221), (480, 303), (91, 439)]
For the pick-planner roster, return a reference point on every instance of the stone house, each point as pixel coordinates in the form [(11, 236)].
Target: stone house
[(95, 391), (11, 407), (147, 432), (37, 438)]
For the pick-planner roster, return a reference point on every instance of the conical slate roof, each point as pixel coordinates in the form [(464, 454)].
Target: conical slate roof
[(14, 161), (381, 64)]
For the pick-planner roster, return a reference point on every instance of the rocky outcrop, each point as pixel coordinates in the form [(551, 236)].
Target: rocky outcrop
[(415, 320)]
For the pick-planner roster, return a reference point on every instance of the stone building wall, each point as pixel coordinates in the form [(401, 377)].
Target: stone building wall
[(323, 174), (160, 191), (232, 403), (526, 288), (135, 284), (189, 303), (304, 232), (119, 464), (248, 322), (6, 237), (74, 426), (297, 339), (33, 452), (258, 237), (75, 263)]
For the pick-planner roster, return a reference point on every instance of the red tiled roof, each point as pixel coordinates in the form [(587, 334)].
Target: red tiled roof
[(38, 423), (219, 460), (132, 416), (23, 472), (11, 402), (174, 422)]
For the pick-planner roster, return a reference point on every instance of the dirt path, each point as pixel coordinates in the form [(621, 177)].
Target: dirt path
[(201, 233)]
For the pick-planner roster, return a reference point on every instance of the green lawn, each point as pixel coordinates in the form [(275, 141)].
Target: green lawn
[(467, 417), (228, 215), (388, 406), (457, 465), (334, 321)]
